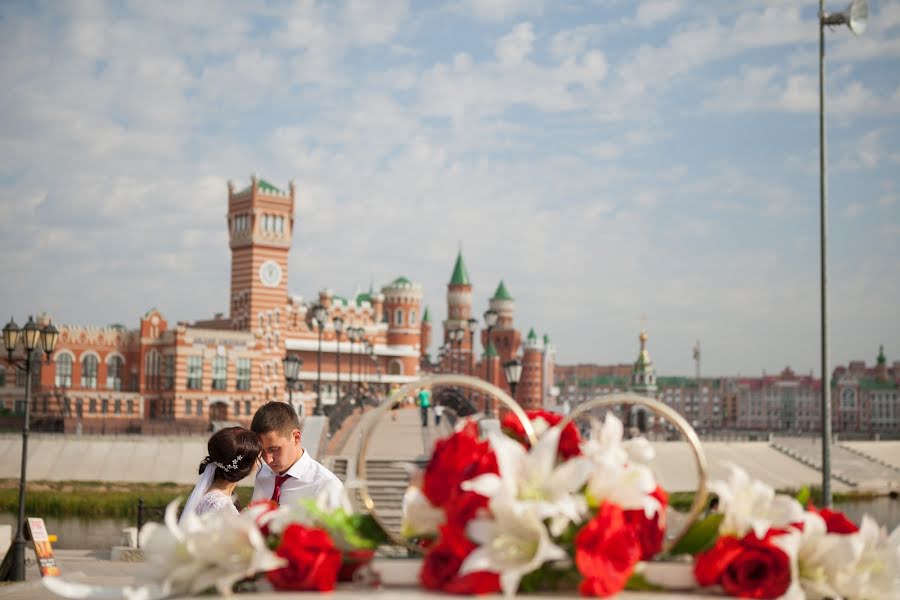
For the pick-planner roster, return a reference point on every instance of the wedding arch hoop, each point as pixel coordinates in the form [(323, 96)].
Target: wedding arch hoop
[(396, 397), (681, 424)]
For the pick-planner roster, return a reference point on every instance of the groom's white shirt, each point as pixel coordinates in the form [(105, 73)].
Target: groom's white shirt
[(308, 479)]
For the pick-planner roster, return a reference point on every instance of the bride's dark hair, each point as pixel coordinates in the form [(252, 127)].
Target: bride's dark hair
[(225, 446)]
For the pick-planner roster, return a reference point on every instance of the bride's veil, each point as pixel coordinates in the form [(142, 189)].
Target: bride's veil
[(201, 488)]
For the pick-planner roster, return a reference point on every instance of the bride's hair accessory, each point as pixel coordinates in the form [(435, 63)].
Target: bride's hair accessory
[(230, 466)]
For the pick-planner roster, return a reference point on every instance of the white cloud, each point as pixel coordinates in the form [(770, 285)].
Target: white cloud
[(502, 10), (515, 46), (654, 11)]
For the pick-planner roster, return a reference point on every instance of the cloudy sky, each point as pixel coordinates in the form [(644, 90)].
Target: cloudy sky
[(607, 159)]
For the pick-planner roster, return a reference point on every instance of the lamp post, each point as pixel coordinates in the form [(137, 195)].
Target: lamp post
[(473, 326), (30, 335), (338, 329), (320, 314), (291, 365), (370, 350), (490, 321), (513, 370), (855, 18)]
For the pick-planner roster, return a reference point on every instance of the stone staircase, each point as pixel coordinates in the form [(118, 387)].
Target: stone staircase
[(810, 461)]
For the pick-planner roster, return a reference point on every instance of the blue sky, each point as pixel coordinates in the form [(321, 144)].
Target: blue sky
[(607, 159)]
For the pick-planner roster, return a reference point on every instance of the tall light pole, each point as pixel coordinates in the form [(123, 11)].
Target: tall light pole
[(456, 338), (31, 335), (855, 18), (291, 365), (338, 329), (320, 314), (351, 337), (490, 321)]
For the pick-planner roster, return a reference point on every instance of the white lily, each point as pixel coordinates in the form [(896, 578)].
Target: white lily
[(617, 473), (512, 544), (215, 550), (751, 504), (871, 567), (533, 477), (420, 517)]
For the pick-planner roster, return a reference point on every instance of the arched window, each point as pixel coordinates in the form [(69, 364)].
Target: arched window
[(412, 317), (398, 317), (64, 370), (89, 371), (114, 367), (395, 368)]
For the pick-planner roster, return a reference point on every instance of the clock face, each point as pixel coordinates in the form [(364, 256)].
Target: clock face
[(270, 273)]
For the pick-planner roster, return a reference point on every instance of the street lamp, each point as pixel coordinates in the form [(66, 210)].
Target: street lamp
[(31, 335), (338, 329), (513, 370), (473, 325), (370, 350), (490, 321), (320, 314), (291, 365), (855, 18)]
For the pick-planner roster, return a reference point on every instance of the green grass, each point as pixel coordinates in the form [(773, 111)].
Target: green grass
[(91, 499)]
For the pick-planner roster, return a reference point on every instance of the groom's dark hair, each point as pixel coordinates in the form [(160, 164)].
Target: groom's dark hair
[(275, 416)]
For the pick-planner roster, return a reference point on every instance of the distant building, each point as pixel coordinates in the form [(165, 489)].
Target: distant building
[(865, 400), (536, 386)]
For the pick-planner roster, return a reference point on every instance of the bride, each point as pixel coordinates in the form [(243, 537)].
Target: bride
[(233, 454)]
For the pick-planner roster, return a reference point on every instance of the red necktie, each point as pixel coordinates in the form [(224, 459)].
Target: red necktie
[(276, 493)]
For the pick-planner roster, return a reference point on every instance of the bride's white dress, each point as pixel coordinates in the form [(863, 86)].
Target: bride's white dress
[(214, 501)]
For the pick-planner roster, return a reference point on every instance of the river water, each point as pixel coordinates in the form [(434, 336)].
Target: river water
[(75, 533)]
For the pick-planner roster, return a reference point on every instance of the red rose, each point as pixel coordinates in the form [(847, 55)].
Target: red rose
[(442, 563), (463, 507), (313, 560), (606, 550), (455, 459), (747, 568), (650, 532), (835, 520), (569, 441)]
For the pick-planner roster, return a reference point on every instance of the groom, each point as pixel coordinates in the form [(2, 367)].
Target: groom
[(289, 472)]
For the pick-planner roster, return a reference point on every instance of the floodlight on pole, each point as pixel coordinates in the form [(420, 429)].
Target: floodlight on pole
[(855, 18)]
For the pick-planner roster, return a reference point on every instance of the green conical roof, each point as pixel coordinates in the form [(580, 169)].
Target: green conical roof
[(502, 293), (881, 358), (532, 336), (460, 274), (426, 318), (491, 351), (546, 338), (401, 280)]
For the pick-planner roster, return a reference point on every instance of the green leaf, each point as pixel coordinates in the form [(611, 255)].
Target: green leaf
[(803, 495), (637, 583), (700, 536)]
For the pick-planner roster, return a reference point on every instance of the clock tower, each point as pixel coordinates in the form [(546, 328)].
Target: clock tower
[(260, 224)]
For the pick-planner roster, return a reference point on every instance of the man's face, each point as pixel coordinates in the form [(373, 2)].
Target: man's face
[(280, 452)]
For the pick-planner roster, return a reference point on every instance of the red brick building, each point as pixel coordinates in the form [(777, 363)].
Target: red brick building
[(159, 377)]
